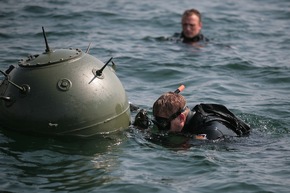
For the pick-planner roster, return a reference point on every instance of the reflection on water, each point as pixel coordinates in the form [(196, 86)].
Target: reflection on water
[(56, 164)]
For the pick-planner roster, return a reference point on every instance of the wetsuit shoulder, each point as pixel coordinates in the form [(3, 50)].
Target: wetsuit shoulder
[(218, 112), (214, 120)]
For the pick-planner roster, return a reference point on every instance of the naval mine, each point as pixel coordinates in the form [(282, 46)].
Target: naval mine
[(64, 92)]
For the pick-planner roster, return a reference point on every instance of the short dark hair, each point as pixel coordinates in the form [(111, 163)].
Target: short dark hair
[(191, 12)]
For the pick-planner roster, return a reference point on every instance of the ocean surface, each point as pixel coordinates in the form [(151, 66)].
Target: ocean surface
[(245, 66)]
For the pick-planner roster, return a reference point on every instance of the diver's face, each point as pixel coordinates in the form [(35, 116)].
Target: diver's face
[(175, 126), (168, 124), (191, 26)]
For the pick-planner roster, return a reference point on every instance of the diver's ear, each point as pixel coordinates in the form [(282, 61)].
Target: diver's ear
[(182, 117)]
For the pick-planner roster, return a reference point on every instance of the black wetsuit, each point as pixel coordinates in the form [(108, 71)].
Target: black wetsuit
[(215, 121), (199, 37), (180, 37)]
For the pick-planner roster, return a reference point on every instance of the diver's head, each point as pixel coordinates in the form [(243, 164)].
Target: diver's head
[(168, 112), (191, 23)]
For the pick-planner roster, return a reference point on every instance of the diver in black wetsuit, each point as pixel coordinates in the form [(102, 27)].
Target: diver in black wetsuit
[(191, 27), (205, 121)]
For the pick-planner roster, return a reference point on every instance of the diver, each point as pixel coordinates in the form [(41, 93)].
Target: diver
[(204, 121), (191, 27)]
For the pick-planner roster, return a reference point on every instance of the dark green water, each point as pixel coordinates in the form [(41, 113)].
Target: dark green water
[(246, 66)]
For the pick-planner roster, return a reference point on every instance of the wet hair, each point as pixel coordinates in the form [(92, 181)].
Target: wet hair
[(191, 12), (168, 104)]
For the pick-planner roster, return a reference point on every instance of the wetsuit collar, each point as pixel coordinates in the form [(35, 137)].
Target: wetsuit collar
[(196, 38), (187, 124)]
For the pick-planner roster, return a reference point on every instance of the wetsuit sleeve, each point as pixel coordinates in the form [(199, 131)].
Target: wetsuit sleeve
[(217, 130)]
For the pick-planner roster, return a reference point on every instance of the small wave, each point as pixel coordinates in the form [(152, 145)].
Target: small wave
[(36, 9), (5, 35)]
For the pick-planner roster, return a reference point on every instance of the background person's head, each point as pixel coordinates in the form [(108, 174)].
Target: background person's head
[(191, 23)]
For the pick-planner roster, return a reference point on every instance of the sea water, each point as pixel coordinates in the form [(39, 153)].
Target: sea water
[(245, 66)]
